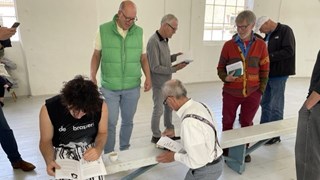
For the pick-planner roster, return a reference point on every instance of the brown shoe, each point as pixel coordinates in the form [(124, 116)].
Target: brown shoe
[(24, 165)]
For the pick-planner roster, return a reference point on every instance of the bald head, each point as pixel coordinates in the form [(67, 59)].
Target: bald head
[(127, 14), (126, 4)]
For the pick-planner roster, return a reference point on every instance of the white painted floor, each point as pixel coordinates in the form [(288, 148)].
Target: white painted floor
[(274, 162)]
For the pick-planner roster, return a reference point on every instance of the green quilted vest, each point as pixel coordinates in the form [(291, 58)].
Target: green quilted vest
[(120, 60)]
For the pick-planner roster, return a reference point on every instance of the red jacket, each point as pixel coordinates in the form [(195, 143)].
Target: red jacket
[(256, 67)]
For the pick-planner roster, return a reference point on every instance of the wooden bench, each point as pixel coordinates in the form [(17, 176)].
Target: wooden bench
[(237, 139), (142, 159)]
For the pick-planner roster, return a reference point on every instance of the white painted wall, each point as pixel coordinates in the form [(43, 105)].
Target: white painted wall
[(57, 37)]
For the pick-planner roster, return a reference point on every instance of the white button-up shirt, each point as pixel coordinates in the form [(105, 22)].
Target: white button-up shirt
[(197, 138)]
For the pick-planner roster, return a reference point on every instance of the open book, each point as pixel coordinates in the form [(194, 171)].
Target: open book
[(78, 170), (184, 58), (170, 144), (235, 67)]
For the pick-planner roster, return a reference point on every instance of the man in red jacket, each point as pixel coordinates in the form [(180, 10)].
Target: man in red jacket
[(244, 85)]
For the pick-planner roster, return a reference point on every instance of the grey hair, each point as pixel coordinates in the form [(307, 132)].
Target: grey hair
[(247, 15), (168, 18), (174, 88)]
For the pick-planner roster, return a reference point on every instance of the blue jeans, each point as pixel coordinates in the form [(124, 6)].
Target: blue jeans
[(272, 103), (126, 101), (7, 140)]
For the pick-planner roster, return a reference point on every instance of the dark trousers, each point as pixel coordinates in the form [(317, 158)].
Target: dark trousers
[(7, 140), (307, 148), (249, 106)]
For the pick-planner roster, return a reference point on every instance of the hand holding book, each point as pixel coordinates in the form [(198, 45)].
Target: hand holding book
[(235, 68)]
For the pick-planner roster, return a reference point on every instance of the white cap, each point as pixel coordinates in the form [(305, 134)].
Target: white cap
[(261, 20)]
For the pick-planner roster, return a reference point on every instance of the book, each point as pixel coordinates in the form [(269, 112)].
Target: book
[(184, 58), (235, 67), (77, 170), (187, 61), (168, 143)]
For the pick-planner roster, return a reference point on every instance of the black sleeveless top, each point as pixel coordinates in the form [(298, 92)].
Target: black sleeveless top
[(69, 130)]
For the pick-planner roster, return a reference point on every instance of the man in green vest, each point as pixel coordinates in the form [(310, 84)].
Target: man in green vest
[(120, 50)]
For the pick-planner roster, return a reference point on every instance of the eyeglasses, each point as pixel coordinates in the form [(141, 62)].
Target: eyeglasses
[(128, 19), (165, 100), (173, 28), (242, 27)]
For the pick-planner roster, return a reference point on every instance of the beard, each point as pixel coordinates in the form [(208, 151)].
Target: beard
[(245, 36)]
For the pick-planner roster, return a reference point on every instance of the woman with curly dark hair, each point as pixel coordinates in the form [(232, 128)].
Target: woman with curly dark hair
[(73, 124)]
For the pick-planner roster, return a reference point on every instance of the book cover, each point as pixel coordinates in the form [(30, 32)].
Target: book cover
[(235, 67)]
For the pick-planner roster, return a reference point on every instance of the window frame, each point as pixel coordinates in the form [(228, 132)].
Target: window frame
[(212, 25), (8, 16)]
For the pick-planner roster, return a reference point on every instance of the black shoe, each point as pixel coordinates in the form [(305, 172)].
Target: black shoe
[(175, 138), (155, 139), (247, 159), (273, 141)]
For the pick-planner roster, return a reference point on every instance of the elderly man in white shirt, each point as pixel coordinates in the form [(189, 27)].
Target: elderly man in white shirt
[(202, 152)]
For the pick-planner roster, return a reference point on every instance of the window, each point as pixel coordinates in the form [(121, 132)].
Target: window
[(8, 15), (219, 19)]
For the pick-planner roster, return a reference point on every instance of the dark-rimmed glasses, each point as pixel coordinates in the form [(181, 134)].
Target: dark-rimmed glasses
[(165, 100), (128, 19), (242, 27), (173, 28)]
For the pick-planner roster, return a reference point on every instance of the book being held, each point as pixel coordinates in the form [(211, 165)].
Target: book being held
[(186, 57), (168, 143), (77, 170), (237, 68)]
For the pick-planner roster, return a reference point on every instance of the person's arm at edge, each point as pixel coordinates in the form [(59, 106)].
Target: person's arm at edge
[(146, 71), (94, 153), (45, 145), (6, 33), (313, 99), (94, 66)]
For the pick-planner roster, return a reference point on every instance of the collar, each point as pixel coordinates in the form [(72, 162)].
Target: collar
[(182, 110), (161, 38)]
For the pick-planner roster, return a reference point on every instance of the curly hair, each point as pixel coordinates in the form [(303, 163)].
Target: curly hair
[(81, 94)]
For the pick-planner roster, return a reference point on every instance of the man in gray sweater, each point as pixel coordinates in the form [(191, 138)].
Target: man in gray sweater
[(160, 60)]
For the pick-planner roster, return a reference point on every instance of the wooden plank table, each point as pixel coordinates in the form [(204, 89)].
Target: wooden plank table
[(142, 159), (237, 139)]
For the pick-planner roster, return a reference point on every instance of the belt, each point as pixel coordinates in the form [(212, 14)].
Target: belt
[(214, 161)]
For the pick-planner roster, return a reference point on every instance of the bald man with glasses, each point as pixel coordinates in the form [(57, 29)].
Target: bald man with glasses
[(121, 51)]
